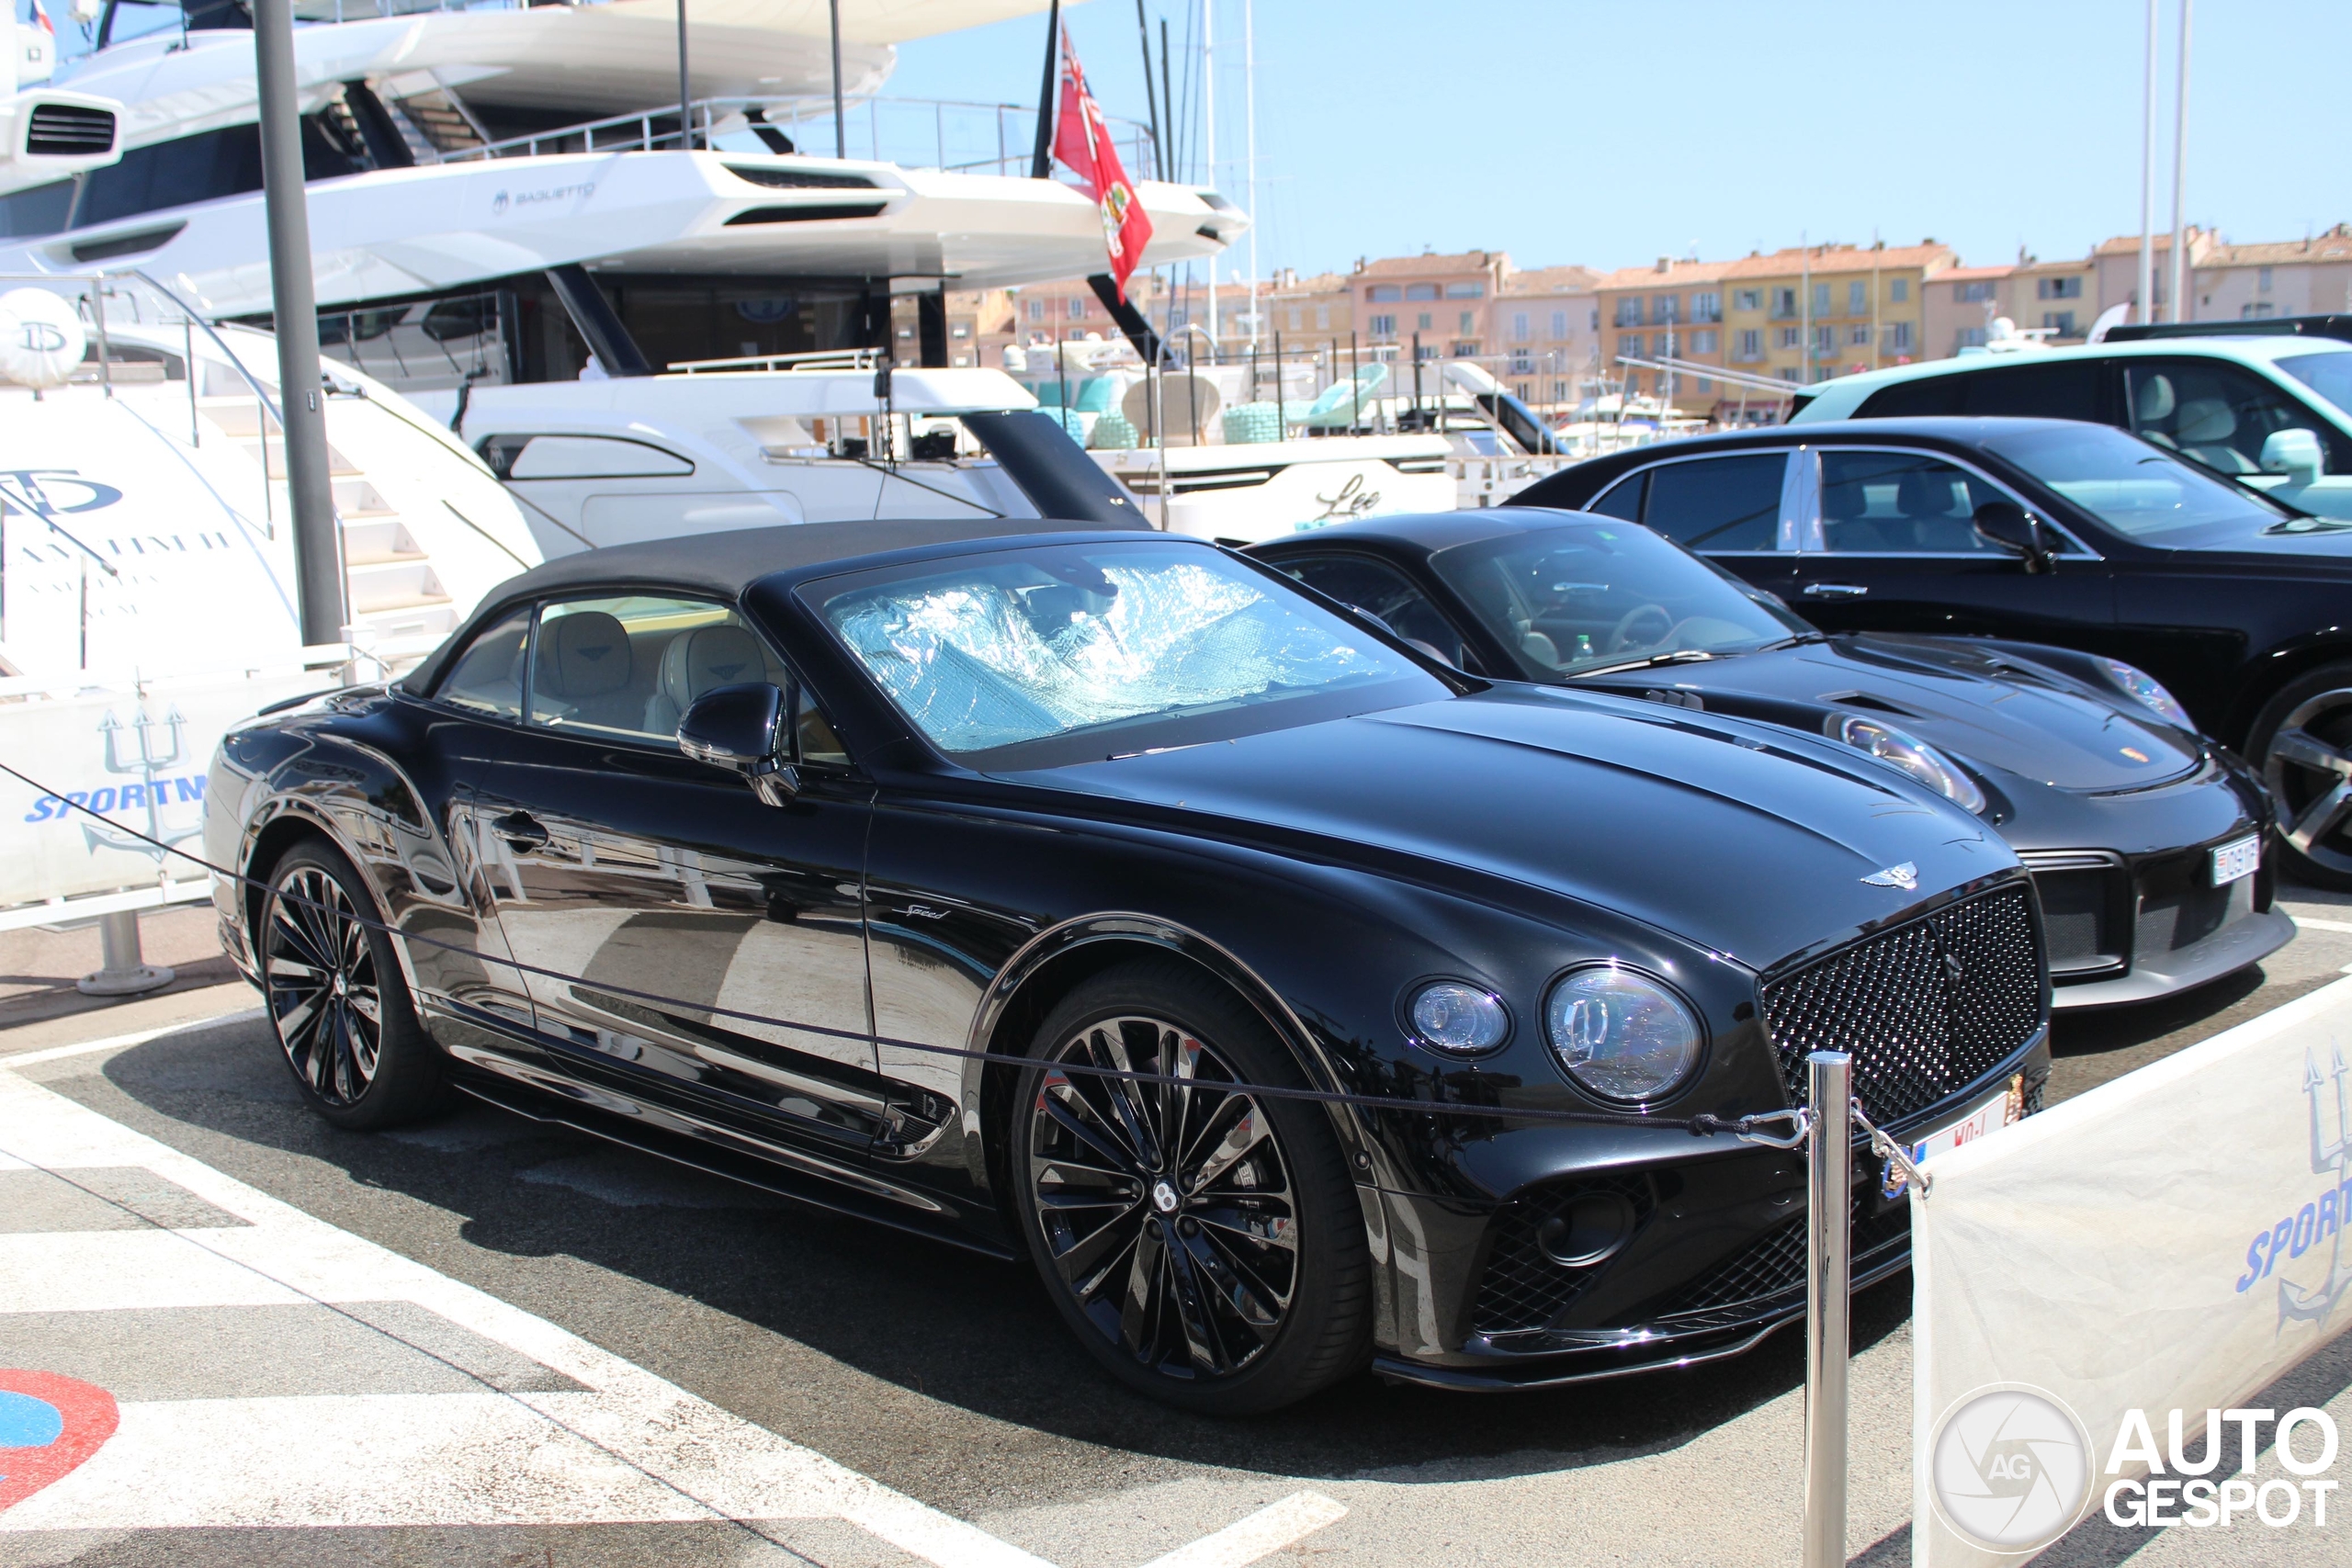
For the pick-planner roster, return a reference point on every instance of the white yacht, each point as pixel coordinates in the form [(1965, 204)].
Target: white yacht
[(630, 311)]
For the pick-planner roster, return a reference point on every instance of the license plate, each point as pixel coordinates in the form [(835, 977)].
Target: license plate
[(2005, 1106), (2231, 862)]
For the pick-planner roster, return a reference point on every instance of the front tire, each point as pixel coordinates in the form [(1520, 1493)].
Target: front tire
[(336, 998), (2301, 744), (1203, 1243)]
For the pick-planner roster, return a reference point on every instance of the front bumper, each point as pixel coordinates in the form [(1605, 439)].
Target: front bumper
[(1714, 1263), (2131, 929)]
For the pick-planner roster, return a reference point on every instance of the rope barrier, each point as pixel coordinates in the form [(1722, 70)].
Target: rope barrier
[(1703, 1125)]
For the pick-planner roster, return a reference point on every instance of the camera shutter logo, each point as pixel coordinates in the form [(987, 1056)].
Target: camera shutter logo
[(2010, 1468)]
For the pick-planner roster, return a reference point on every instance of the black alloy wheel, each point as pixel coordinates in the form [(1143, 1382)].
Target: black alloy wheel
[(2302, 743), (336, 998), (1204, 1240)]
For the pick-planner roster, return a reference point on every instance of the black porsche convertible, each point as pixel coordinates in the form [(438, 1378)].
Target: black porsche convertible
[(748, 848), (2145, 837)]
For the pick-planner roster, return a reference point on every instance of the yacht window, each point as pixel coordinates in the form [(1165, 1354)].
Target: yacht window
[(579, 457), (203, 167), (128, 20), (26, 214)]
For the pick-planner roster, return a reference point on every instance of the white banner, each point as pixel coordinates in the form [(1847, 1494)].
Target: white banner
[(2099, 1286), (135, 756)]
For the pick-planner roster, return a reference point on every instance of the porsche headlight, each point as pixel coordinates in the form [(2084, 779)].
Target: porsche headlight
[(1458, 1018), (2148, 692), (1621, 1034), (1912, 756)]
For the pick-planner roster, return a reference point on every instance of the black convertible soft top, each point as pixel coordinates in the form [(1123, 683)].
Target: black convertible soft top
[(724, 563)]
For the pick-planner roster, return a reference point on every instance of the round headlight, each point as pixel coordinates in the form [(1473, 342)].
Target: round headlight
[(1914, 756), (1621, 1034), (2148, 692), (1463, 1020)]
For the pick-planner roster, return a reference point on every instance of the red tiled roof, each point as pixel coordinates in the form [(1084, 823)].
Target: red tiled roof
[(1401, 266)]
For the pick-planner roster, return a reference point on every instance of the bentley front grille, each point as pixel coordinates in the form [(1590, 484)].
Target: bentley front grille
[(1926, 1009)]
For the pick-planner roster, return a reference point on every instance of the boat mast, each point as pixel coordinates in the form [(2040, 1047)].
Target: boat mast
[(1208, 129), (1249, 152)]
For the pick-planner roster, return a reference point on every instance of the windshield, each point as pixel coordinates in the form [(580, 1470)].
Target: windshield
[(2135, 489), (1044, 655), (2329, 375), (1584, 595)]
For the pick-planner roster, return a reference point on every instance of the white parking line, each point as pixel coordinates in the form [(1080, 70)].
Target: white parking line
[(634, 1448), (124, 1041), (2304, 922), (1263, 1533)]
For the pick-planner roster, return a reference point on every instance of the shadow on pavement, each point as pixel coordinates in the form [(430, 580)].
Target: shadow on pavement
[(963, 1332)]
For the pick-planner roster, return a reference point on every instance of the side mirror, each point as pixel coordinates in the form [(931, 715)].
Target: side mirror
[(2294, 452), (2008, 527), (739, 728)]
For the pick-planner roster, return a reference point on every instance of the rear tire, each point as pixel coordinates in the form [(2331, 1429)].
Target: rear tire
[(2301, 744), (1204, 1244), (336, 998)]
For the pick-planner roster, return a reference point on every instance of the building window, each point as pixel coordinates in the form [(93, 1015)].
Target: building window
[(1036, 310), (1559, 325), (1383, 293), (1747, 299), (2257, 311), (2061, 321), (1973, 337), (1384, 326), (1825, 340), (1520, 328), (1522, 363), (1899, 290), (1559, 391), (1629, 311), (2058, 287), (1791, 337), (1464, 349), (1821, 298), (1857, 336), (1899, 337), (1631, 343), (1297, 318), (1791, 373), (1972, 293), (1664, 310), (1469, 321), (1706, 384), (1748, 345), (1322, 318), (2264, 279), (1707, 307), (1421, 322), (1784, 303), (1704, 341), (1077, 309), (959, 330), (1420, 291), (1858, 298), (1466, 291)]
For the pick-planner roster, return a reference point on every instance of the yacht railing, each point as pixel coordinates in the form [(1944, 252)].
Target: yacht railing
[(819, 359), (920, 133)]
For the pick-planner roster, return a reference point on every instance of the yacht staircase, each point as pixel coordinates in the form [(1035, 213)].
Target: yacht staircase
[(394, 592)]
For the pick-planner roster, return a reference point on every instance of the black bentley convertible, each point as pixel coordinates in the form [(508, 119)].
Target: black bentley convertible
[(2145, 837), (741, 848)]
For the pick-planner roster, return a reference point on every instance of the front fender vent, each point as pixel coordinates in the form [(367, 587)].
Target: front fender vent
[(68, 130)]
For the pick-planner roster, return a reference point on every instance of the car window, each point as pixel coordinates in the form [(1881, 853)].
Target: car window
[(488, 677), (1718, 503), (630, 666), (2215, 413), (1624, 499), (2328, 373), (1583, 595), (1384, 591), (1041, 655), (2064, 388), (2138, 489), (1900, 503)]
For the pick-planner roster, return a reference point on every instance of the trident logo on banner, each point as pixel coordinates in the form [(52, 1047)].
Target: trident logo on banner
[(2330, 1157), (154, 758)]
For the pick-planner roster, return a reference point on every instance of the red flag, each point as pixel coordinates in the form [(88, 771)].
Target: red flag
[(1082, 142)]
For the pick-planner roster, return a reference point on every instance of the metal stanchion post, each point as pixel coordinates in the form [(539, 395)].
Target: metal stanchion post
[(1830, 1268), (121, 972)]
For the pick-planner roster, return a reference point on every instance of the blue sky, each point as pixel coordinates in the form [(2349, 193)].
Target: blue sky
[(1613, 134)]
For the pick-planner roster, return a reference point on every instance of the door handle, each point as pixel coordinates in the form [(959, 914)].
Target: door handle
[(1834, 590), (521, 831)]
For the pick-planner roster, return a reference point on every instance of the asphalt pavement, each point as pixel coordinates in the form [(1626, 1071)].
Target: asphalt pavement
[(484, 1341)]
